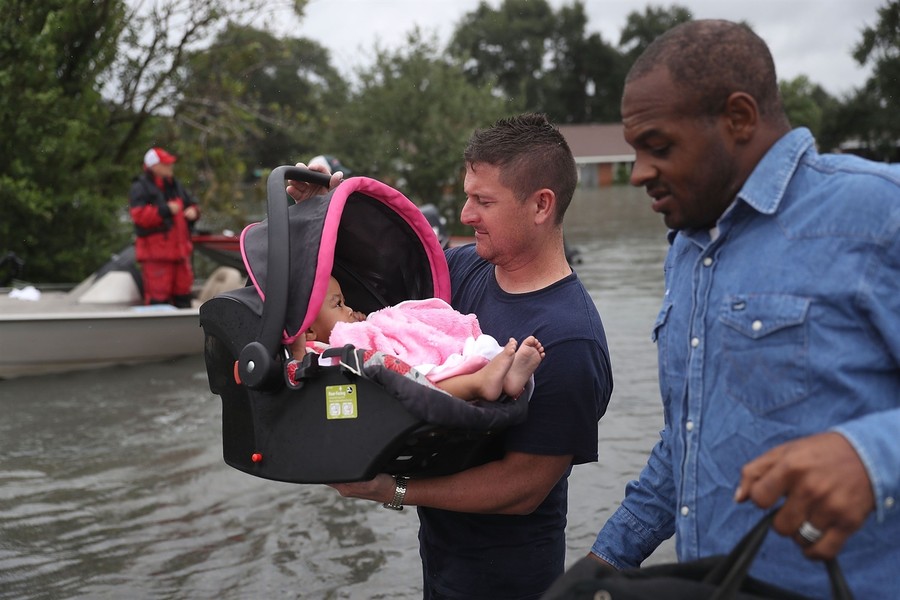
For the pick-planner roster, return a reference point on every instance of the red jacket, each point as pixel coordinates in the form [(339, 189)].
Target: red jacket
[(161, 235)]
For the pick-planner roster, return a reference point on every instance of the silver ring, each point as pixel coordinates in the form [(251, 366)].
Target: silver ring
[(809, 532)]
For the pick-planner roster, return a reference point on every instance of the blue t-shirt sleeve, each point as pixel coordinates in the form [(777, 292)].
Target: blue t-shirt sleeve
[(572, 388)]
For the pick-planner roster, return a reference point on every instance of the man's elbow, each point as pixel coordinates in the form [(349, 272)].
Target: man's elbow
[(525, 505), (520, 510)]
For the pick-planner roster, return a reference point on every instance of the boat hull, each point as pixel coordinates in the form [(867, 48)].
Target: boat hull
[(44, 343)]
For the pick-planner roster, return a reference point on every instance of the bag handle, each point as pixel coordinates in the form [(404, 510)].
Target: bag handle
[(256, 364), (731, 572)]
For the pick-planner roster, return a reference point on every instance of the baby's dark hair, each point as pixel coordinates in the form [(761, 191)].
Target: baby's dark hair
[(531, 153), (711, 59)]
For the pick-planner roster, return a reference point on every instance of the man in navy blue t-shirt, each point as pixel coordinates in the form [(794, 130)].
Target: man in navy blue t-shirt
[(498, 530)]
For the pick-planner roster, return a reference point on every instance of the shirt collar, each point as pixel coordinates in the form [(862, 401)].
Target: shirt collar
[(768, 182)]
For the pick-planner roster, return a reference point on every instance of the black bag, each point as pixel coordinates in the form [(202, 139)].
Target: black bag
[(713, 578)]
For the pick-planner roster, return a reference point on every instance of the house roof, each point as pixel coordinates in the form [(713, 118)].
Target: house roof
[(597, 143)]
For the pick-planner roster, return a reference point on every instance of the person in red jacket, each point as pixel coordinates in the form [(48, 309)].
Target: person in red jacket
[(164, 214)]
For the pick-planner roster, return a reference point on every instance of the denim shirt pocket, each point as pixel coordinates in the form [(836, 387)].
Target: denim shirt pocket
[(765, 350), (661, 337)]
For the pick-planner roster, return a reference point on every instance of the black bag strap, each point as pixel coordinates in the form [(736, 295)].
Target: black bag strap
[(839, 588), (732, 571)]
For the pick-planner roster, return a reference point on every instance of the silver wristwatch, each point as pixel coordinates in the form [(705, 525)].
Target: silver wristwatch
[(399, 494)]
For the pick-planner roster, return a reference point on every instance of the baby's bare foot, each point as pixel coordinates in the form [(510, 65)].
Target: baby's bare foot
[(527, 358), (492, 375)]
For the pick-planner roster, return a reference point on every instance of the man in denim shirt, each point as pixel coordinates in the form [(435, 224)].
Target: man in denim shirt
[(779, 334)]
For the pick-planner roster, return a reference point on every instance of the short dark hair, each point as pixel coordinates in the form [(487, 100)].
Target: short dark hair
[(709, 60), (531, 153)]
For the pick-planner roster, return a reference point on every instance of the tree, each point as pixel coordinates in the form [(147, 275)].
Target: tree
[(805, 103), (148, 77), (410, 119), (641, 29), (508, 46), (541, 60), (88, 85), (57, 214), (586, 75), (252, 102), (872, 113)]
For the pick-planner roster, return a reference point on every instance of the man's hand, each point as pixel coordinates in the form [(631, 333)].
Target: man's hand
[(825, 485), (301, 190), (380, 489), (191, 213)]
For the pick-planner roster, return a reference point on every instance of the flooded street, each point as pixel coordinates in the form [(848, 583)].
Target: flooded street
[(112, 483)]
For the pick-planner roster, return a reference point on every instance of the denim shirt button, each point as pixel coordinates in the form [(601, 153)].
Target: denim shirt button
[(685, 511), (756, 325), (695, 342), (889, 502), (707, 261), (689, 425)]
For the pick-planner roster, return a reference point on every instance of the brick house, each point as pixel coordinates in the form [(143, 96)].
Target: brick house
[(599, 150)]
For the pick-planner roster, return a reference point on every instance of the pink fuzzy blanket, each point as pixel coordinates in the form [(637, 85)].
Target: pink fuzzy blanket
[(419, 332)]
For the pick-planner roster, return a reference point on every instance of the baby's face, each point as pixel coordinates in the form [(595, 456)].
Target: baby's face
[(333, 310)]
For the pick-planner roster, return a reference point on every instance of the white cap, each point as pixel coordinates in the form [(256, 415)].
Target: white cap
[(154, 156)]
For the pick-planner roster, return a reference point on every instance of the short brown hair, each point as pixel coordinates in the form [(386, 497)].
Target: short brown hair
[(531, 153)]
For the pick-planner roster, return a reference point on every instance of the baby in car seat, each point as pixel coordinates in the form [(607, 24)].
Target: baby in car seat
[(426, 340)]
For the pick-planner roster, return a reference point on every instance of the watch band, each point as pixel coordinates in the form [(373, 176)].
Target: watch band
[(399, 494)]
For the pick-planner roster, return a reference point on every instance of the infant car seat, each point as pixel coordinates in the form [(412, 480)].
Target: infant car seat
[(342, 422)]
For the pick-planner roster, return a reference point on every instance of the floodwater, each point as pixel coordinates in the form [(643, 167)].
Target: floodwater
[(112, 483)]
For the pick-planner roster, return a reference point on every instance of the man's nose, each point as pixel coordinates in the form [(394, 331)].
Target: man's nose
[(468, 214), (642, 171)]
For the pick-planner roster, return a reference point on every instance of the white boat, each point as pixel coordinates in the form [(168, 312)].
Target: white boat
[(100, 322)]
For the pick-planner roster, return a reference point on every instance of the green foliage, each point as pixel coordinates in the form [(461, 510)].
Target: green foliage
[(409, 121), (881, 45), (59, 212), (803, 103), (253, 102), (509, 45), (86, 86), (585, 78), (871, 114), (641, 29), (541, 59)]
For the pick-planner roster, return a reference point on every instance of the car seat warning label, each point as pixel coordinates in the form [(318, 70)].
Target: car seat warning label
[(340, 402)]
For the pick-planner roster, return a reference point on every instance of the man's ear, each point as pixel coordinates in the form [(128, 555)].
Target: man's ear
[(310, 335), (742, 116), (544, 205)]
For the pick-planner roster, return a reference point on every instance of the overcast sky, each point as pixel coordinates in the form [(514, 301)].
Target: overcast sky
[(807, 37)]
